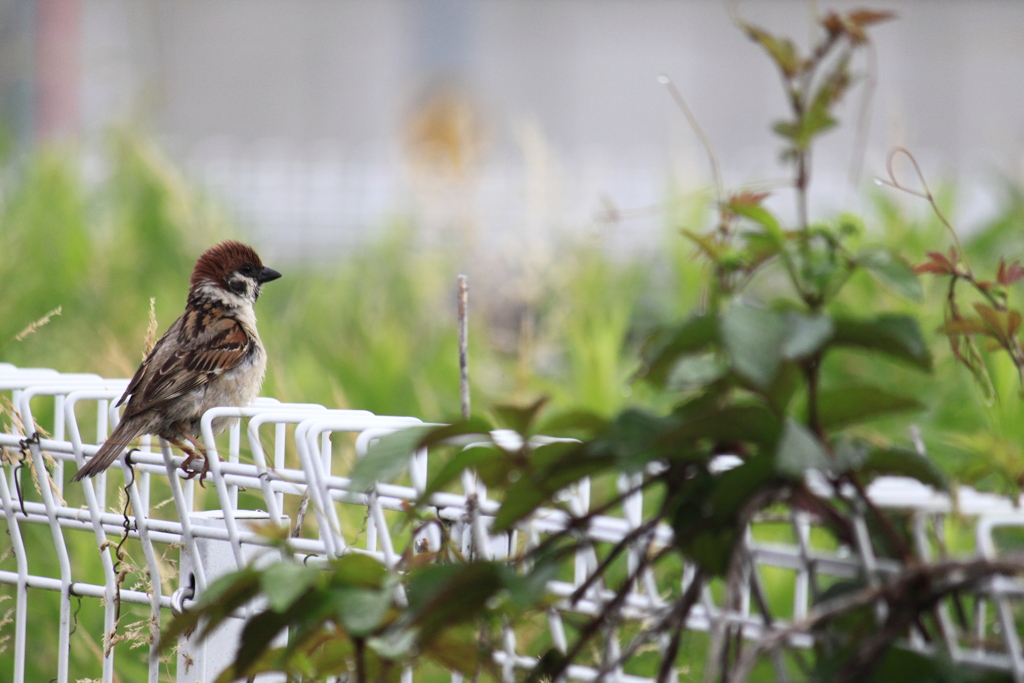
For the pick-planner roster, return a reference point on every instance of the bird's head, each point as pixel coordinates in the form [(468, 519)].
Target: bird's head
[(234, 268)]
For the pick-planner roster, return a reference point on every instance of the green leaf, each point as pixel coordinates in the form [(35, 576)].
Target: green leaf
[(966, 326), (903, 462), (530, 492), (388, 456), (520, 418), (732, 424), (357, 570), (458, 650), (708, 400), (362, 611), (754, 338), (442, 596), (908, 666), (396, 642), (898, 336), (733, 488), (257, 635), (665, 348), (711, 549), (216, 604), (235, 589), (798, 451), (283, 582), (782, 50), (707, 243), (463, 460), (523, 497), (763, 217), (817, 120), (697, 371), (270, 660), (891, 272), (788, 380), (635, 438), (547, 458), (526, 590), (574, 423), (807, 334), (761, 246), (705, 522), (853, 404), (858, 455)]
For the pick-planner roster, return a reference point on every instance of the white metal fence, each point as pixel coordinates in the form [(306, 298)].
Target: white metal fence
[(212, 531)]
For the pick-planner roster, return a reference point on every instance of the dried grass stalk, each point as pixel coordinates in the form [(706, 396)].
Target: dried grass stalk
[(33, 326)]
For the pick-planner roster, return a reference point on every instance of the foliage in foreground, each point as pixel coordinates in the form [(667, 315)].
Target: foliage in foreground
[(100, 251), (744, 375)]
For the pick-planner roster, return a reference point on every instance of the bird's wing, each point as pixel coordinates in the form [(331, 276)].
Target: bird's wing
[(143, 370), (209, 345)]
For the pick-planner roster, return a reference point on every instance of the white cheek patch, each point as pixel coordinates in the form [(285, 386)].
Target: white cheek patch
[(227, 297)]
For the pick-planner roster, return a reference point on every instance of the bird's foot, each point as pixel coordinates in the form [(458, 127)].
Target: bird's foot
[(192, 473), (190, 455)]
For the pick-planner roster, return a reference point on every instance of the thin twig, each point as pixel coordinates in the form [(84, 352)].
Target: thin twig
[(636, 533), (595, 624), (678, 615), (699, 132), (923, 584), (668, 660), (860, 143), (926, 195), (464, 345), (576, 523)]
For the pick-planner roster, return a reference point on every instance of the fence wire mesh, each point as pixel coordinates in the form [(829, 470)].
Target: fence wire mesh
[(142, 537)]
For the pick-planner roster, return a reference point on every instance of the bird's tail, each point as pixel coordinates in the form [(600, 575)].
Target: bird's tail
[(125, 432)]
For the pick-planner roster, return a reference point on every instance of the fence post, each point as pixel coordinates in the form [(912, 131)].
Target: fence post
[(201, 661)]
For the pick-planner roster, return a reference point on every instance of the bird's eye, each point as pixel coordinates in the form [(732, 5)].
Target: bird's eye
[(246, 269)]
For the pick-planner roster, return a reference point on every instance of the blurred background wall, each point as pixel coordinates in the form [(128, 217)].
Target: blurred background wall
[(494, 121)]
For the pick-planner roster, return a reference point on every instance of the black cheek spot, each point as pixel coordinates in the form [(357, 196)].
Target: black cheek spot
[(237, 286)]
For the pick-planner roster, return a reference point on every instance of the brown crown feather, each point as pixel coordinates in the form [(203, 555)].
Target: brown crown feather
[(221, 260)]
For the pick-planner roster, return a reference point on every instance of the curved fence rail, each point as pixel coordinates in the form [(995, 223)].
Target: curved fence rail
[(280, 460)]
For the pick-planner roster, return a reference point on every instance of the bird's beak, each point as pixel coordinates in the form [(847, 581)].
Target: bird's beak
[(267, 274)]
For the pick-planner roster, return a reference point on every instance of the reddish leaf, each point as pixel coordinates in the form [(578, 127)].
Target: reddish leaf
[(866, 17), (832, 23), (937, 264), (930, 267), (1009, 274), (1014, 273), (1013, 320), (747, 199)]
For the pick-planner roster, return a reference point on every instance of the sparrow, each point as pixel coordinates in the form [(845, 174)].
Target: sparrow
[(211, 356)]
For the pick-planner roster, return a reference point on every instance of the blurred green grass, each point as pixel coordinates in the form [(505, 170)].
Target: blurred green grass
[(375, 328)]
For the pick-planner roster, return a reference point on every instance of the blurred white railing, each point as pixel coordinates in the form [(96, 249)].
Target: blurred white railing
[(212, 529)]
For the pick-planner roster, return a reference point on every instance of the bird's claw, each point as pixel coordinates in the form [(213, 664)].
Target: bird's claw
[(191, 473)]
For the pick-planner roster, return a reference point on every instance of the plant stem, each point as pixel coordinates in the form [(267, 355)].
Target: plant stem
[(802, 181), (464, 345), (811, 369), (360, 660)]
